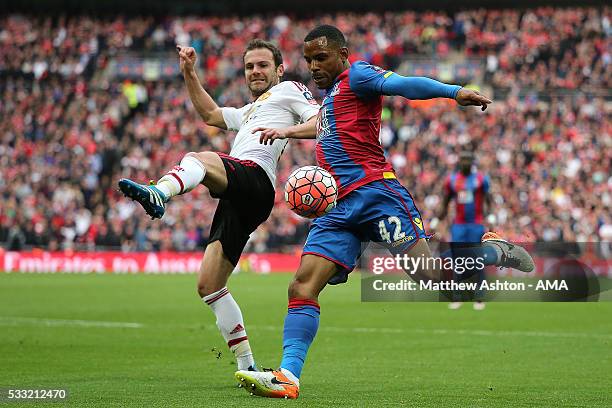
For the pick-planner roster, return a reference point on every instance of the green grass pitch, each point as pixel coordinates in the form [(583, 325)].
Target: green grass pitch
[(148, 341)]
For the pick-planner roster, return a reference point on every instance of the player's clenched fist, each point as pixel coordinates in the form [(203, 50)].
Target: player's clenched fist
[(187, 58)]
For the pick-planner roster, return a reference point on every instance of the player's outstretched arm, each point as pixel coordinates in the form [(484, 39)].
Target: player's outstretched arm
[(417, 87), (306, 130), (427, 88), (368, 80), (203, 103)]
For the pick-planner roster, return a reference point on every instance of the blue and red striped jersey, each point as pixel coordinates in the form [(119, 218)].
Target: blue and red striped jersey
[(348, 127), (468, 193)]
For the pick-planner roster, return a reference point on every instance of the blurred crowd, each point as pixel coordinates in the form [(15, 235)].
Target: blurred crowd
[(68, 132)]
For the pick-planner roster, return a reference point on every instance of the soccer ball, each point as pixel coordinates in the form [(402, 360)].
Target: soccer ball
[(311, 191)]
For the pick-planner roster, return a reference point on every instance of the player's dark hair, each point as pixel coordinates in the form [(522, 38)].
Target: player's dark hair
[(258, 43), (467, 154), (330, 32)]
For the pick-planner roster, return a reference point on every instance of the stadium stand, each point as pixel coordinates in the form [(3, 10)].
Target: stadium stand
[(76, 115)]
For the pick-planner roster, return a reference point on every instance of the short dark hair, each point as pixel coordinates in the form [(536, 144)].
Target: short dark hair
[(466, 154), (328, 31), (258, 43)]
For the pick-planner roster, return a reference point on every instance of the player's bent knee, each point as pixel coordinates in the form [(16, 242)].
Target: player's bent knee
[(208, 159), (209, 285), (203, 289), (194, 154), (197, 156), (215, 178), (298, 289), (206, 288)]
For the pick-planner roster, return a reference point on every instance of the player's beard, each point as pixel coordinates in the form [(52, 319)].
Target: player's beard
[(260, 88)]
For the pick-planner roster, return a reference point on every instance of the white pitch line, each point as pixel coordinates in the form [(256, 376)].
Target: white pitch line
[(23, 321), (474, 332)]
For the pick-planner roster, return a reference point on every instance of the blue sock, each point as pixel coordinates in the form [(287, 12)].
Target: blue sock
[(301, 326), (487, 252)]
